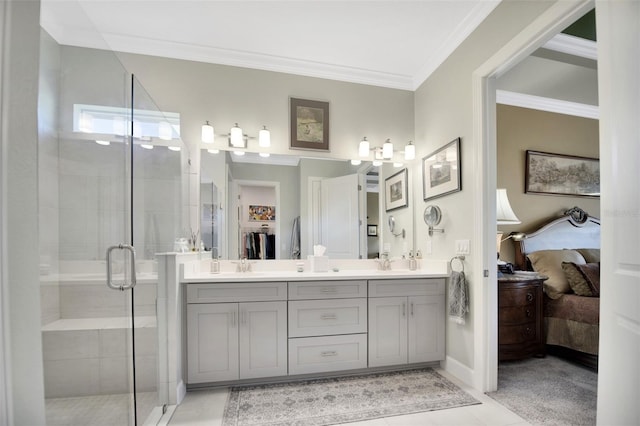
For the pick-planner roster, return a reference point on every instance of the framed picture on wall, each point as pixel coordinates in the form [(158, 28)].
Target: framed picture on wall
[(557, 174), (262, 213), (372, 230), (442, 171), (395, 191), (309, 124)]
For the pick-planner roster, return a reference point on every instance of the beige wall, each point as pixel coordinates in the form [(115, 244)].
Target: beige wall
[(522, 129), (444, 111)]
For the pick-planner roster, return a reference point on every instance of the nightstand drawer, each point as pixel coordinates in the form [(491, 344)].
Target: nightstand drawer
[(517, 297), (517, 334), (516, 315)]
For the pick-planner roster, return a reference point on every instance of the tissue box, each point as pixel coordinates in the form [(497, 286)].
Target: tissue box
[(318, 263)]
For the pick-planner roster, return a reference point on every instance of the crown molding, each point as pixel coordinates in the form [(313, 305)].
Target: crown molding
[(462, 31), (547, 104), (572, 45)]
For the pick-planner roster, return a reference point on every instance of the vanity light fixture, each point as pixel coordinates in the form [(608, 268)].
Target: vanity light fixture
[(386, 151), (207, 133)]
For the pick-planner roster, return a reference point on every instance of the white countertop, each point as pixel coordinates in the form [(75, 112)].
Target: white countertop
[(285, 270)]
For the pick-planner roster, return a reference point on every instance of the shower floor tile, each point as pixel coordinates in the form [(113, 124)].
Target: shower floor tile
[(97, 410)]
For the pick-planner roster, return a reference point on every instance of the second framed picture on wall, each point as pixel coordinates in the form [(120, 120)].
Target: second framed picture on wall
[(396, 194), (442, 171), (558, 174), (309, 124)]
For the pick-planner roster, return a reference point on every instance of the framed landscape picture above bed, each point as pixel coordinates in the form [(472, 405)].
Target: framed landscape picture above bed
[(557, 174)]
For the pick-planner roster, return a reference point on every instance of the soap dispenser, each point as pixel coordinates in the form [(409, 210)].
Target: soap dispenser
[(215, 266), (413, 263)]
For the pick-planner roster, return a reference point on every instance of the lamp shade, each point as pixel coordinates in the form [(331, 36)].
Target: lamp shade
[(504, 212), (409, 151), (387, 150), (237, 139), (207, 133), (264, 137), (363, 148)]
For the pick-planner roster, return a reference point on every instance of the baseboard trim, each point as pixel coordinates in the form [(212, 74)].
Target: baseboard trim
[(459, 371)]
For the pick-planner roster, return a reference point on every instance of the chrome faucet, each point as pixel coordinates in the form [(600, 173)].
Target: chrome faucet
[(243, 266)]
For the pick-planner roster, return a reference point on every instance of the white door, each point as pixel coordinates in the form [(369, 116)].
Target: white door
[(341, 223), (263, 339), (619, 96), (212, 342), (387, 331), (426, 328)]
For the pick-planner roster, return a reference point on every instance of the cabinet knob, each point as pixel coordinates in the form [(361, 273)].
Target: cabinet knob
[(528, 313), (529, 297)]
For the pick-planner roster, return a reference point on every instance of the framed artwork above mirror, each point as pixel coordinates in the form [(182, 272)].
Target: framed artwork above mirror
[(309, 124)]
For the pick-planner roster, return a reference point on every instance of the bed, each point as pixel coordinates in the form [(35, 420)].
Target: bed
[(567, 250)]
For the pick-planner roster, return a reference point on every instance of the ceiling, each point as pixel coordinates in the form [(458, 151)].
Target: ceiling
[(395, 44)]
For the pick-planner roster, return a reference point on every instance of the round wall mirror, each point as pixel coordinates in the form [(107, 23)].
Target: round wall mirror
[(392, 224), (432, 215)]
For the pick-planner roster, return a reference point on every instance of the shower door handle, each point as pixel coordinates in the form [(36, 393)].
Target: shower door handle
[(132, 282)]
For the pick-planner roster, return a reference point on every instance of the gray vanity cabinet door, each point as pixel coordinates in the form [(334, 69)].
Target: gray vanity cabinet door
[(212, 342)]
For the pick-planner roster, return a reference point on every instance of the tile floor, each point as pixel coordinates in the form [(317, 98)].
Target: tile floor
[(205, 407)]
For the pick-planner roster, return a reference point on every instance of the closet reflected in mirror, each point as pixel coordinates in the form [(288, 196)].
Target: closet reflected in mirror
[(279, 207)]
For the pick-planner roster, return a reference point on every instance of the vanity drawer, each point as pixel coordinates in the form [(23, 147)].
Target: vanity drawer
[(327, 353), (236, 292), (406, 287), (325, 317), (327, 289)]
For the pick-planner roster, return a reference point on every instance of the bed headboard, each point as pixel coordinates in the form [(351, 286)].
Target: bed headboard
[(576, 229)]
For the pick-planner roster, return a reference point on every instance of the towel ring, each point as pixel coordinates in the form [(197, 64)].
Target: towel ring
[(460, 259)]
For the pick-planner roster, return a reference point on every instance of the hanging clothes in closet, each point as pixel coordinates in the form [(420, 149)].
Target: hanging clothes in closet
[(259, 244)]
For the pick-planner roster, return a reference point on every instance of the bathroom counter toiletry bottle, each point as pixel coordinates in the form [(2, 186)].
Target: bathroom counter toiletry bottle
[(215, 266)]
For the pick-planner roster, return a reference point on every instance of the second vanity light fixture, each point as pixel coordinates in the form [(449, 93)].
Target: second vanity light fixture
[(384, 152), (236, 137)]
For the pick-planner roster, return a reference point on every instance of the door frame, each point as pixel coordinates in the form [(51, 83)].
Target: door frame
[(235, 220), (551, 22)]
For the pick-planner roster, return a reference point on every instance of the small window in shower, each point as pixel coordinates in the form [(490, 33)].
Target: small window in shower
[(112, 124)]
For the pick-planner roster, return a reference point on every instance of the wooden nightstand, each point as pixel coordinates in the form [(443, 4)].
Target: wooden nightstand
[(520, 319)]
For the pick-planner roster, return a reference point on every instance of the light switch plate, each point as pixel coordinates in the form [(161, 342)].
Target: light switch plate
[(462, 247)]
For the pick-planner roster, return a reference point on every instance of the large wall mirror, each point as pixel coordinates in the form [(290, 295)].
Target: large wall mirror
[(281, 206)]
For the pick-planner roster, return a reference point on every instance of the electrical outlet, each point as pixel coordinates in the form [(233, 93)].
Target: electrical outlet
[(462, 247)]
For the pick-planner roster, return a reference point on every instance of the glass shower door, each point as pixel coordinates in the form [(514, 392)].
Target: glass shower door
[(107, 178)]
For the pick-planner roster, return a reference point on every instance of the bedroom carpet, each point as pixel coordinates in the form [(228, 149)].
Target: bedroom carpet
[(343, 400), (548, 391)]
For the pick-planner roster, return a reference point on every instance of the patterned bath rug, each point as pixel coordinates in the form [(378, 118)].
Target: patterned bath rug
[(342, 400)]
